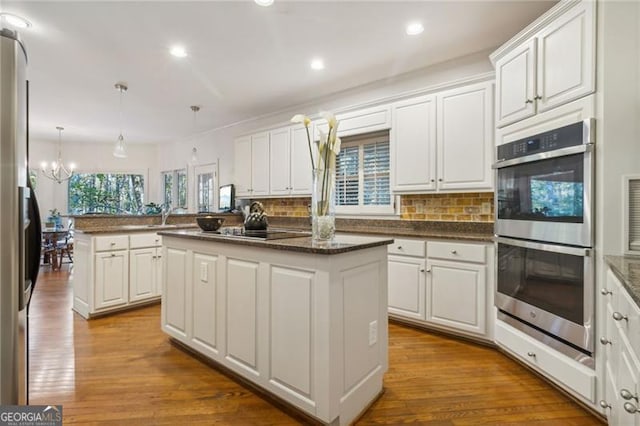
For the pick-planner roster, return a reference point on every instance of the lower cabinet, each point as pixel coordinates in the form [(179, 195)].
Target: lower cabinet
[(620, 340), (443, 284), (114, 271), (111, 279)]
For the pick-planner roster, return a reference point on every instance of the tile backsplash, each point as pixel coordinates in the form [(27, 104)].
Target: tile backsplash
[(459, 207)]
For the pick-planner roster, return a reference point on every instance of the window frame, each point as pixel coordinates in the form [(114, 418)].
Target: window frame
[(143, 172), (374, 210), (175, 173)]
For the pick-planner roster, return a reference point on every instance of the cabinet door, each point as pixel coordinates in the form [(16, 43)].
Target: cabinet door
[(566, 57), (515, 84), (112, 279), (159, 267), (465, 142), (279, 162), (174, 294), (205, 286), (456, 295), (242, 166), (413, 148), (142, 276), (260, 164), (406, 286), (301, 161)]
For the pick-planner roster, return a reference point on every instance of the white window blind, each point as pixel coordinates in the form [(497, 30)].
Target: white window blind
[(634, 214), (362, 175)]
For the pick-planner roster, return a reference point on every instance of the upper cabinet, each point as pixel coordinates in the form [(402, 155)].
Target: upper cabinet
[(552, 66), (444, 141), (290, 164), (251, 165)]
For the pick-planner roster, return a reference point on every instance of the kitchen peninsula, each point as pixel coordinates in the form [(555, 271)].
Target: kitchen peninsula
[(304, 322)]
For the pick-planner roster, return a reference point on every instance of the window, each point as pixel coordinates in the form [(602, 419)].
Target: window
[(205, 187), (362, 175), (174, 188), (116, 193)]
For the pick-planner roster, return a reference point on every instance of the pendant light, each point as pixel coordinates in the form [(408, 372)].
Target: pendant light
[(58, 171), (120, 150), (194, 150)]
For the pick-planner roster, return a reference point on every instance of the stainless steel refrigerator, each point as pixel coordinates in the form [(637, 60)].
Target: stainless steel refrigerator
[(20, 230)]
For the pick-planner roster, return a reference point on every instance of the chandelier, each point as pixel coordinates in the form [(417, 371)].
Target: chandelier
[(58, 172), (120, 150)]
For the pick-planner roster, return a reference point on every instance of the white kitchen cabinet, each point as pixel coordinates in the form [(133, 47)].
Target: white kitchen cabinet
[(115, 271), (251, 165), (407, 286), (111, 279), (553, 66), (175, 320), (620, 340), (465, 138), (413, 145), (445, 285), (290, 164), (444, 141)]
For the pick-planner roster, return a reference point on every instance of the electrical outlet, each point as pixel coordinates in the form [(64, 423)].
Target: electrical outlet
[(373, 333), (204, 272), (486, 208)]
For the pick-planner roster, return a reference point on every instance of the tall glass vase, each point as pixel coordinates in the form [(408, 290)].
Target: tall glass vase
[(323, 205)]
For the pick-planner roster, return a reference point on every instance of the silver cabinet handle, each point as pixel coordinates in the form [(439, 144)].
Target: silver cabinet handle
[(528, 101), (113, 255), (604, 404), (433, 180), (399, 247), (421, 270), (159, 257), (531, 354), (605, 341), (605, 292), (630, 408), (153, 257), (454, 252), (428, 269), (440, 180), (113, 244), (625, 394), (537, 98), (619, 317)]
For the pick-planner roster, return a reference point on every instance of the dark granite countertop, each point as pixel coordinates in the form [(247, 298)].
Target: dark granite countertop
[(627, 269), (125, 229), (303, 244)]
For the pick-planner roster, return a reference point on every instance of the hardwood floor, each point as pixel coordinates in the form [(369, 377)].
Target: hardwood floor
[(121, 369)]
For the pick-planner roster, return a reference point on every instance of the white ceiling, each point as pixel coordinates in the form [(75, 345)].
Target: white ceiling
[(244, 60)]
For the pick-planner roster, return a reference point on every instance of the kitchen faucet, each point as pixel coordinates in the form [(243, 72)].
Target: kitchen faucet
[(166, 210)]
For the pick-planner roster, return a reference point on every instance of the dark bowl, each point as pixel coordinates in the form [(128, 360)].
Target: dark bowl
[(209, 223)]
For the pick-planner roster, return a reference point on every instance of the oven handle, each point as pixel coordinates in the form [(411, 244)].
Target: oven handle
[(576, 251), (544, 155)]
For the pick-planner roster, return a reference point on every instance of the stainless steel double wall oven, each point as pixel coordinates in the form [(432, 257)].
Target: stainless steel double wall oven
[(544, 226)]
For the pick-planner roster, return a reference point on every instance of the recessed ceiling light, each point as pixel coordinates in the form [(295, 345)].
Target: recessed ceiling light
[(317, 64), (414, 28), (264, 2), (178, 51), (15, 20)]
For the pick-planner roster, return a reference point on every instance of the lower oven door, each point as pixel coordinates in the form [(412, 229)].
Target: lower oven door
[(548, 286)]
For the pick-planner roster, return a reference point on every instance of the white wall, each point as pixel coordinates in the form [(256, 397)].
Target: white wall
[(217, 145), (90, 157)]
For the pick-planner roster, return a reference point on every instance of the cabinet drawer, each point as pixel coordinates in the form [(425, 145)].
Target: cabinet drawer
[(144, 240), (112, 242), (456, 251), (407, 247), (554, 365)]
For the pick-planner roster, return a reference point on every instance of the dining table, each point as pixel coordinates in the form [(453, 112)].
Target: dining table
[(50, 238)]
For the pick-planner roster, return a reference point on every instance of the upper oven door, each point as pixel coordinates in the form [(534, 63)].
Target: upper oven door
[(547, 197)]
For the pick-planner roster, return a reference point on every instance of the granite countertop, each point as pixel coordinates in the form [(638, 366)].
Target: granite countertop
[(302, 244), (120, 229), (627, 269)]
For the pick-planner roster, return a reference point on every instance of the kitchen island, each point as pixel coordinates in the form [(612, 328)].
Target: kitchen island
[(306, 323)]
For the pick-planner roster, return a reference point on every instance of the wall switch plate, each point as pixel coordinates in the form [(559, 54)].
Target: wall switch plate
[(486, 208), (373, 333)]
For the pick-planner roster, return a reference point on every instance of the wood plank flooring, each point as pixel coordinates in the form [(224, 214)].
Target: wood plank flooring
[(122, 370)]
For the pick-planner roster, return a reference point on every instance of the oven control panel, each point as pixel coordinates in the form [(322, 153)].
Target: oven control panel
[(563, 137)]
